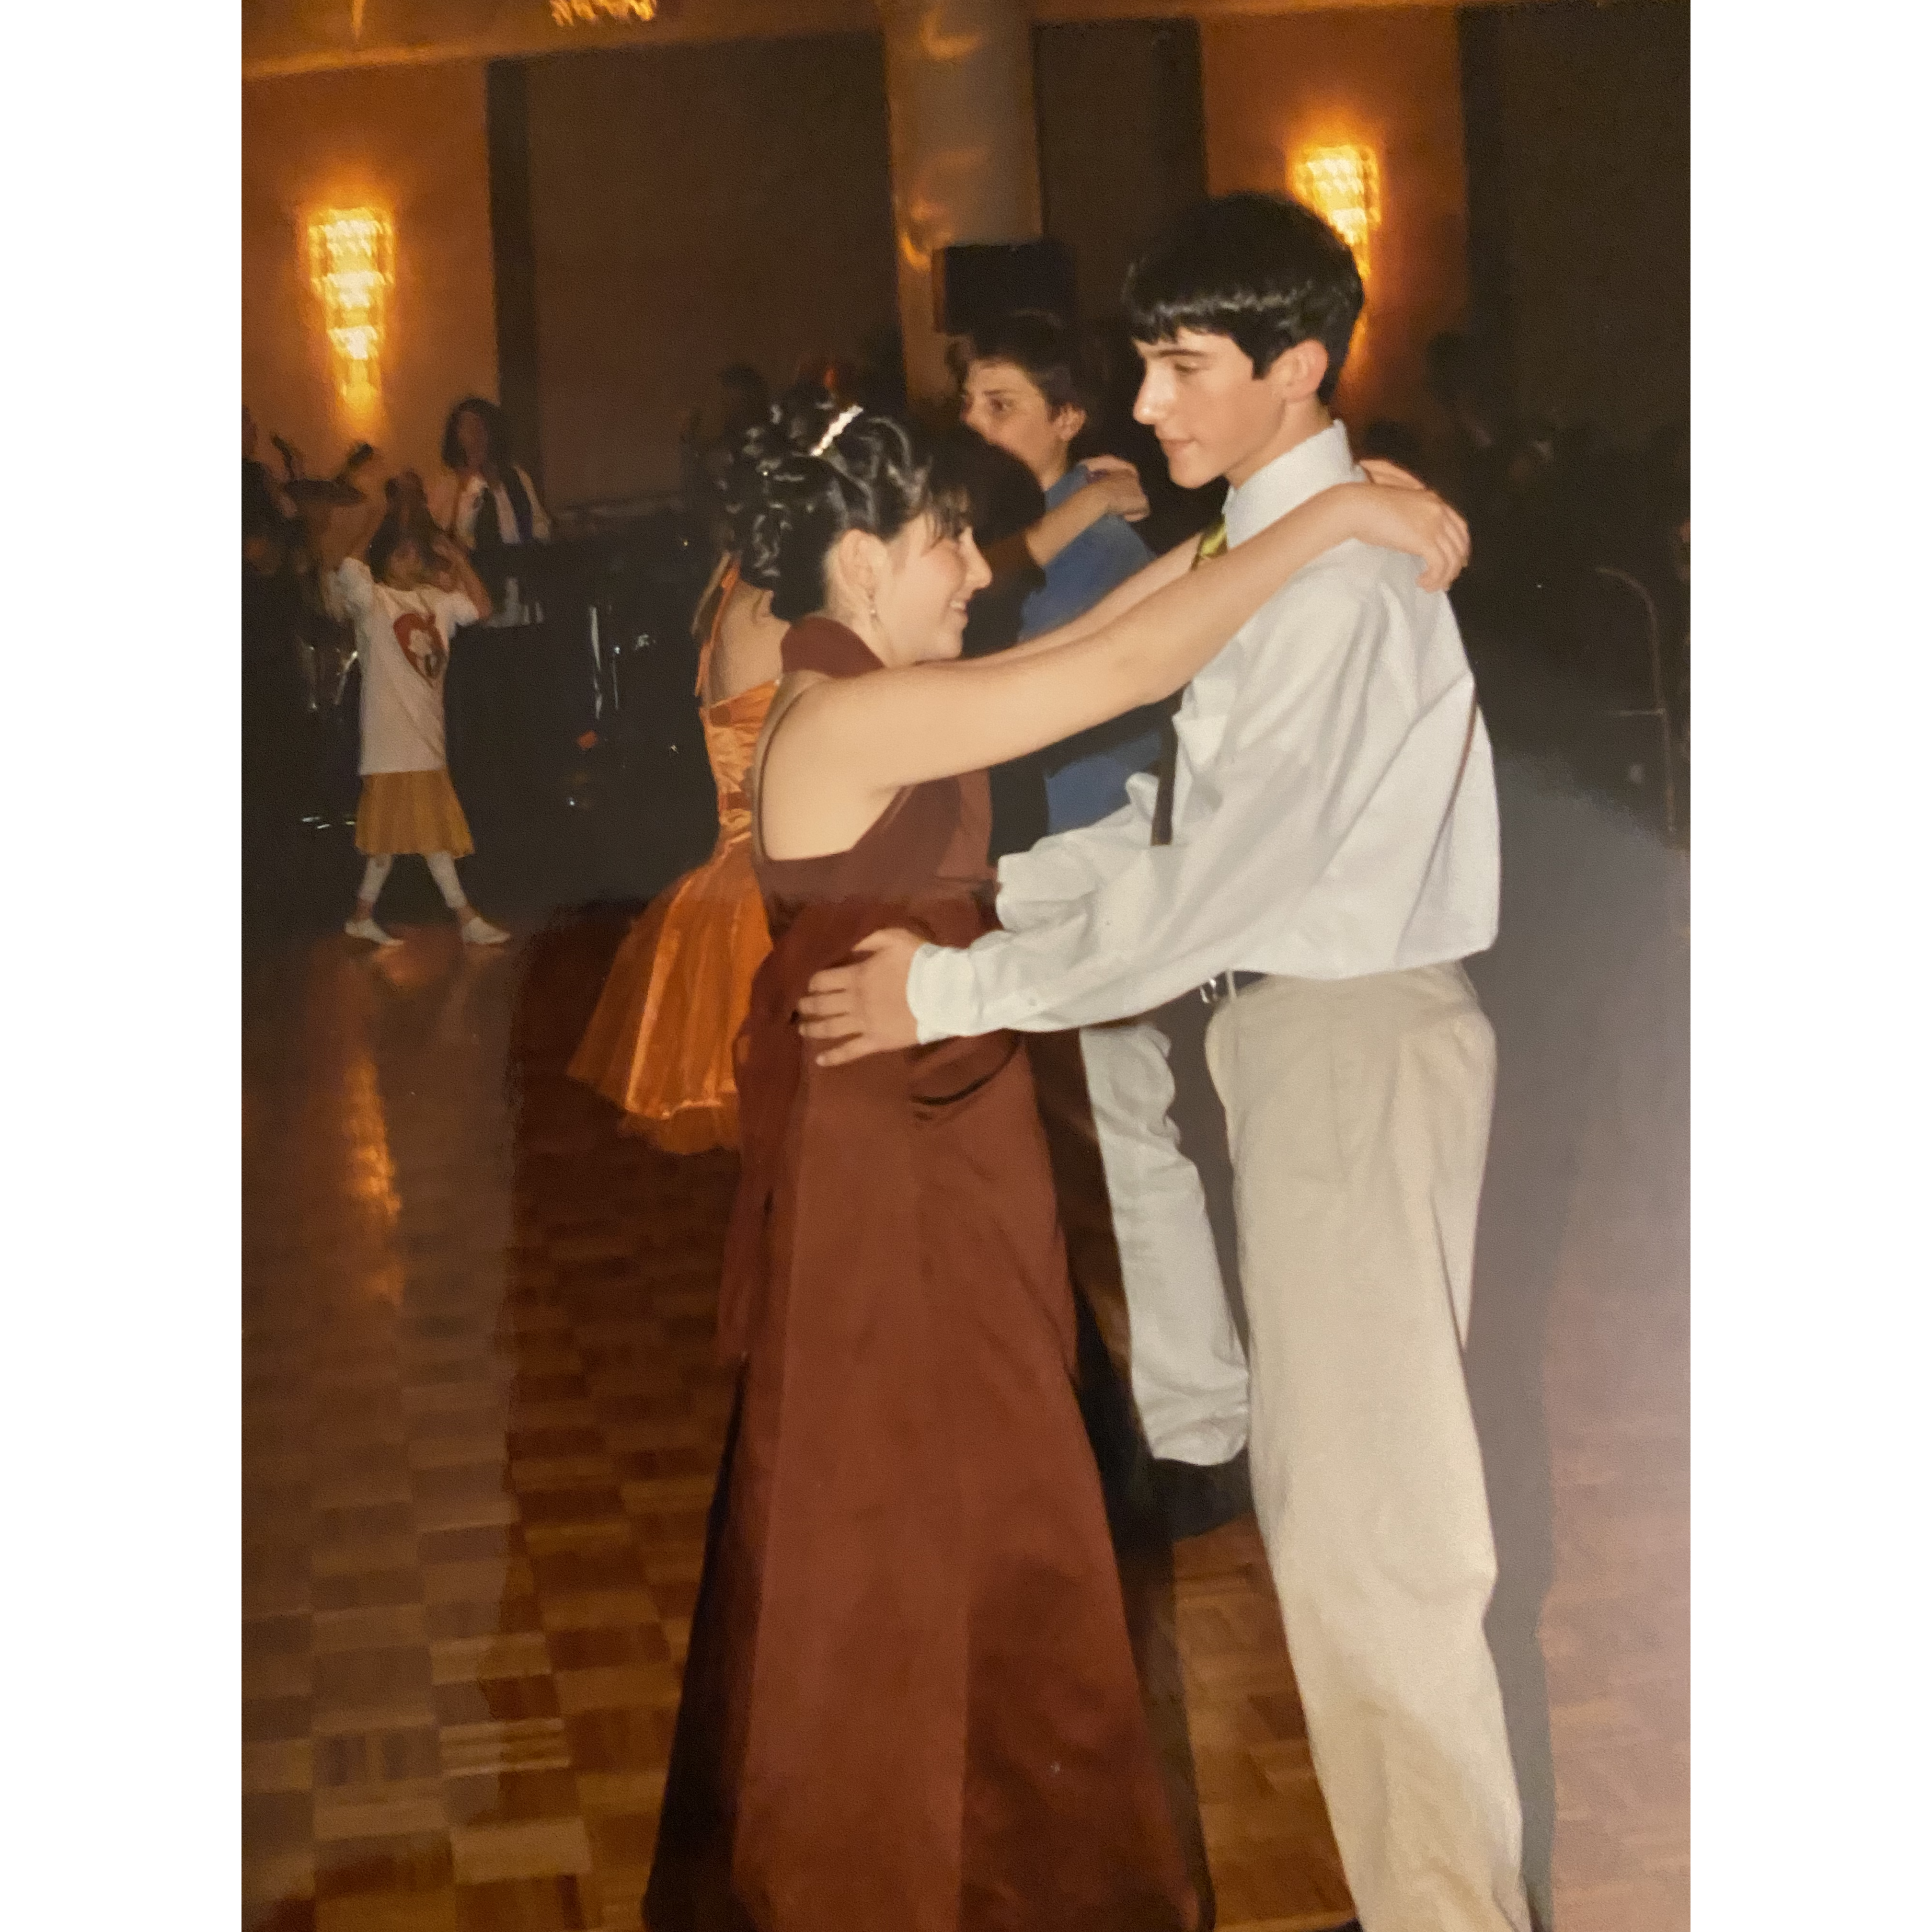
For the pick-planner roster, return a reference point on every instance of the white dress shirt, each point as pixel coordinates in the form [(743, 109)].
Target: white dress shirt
[(1334, 810), (455, 507)]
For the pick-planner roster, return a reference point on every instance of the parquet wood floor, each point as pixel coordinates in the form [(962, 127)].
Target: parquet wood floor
[(481, 1421)]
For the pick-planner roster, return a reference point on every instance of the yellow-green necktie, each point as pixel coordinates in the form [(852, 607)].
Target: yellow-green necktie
[(1212, 543)]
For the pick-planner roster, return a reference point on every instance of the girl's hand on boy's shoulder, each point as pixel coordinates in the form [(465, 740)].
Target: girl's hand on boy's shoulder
[(1118, 484), (1390, 475)]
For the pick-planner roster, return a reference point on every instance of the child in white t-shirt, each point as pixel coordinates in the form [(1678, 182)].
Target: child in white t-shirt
[(406, 601)]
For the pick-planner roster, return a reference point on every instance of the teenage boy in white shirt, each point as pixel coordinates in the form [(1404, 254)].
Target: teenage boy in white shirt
[(1333, 860)]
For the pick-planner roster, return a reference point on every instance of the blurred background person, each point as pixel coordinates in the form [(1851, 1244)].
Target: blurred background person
[(1022, 407), (487, 502), (266, 510), (297, 653), (1022, 391)]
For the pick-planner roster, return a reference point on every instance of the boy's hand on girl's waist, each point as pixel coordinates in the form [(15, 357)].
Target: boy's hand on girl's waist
[(862, 1007)]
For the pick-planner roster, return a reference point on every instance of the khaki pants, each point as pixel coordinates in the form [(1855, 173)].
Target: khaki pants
[(1358, 1120)]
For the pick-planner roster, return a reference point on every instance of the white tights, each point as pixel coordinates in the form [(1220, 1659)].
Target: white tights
[(442, 869)]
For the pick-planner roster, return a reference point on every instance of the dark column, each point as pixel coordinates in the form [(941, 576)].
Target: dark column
[(1485, 162), (1123, 147), (513, 245)]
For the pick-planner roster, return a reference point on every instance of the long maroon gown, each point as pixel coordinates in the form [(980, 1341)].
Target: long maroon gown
[(909, 1704)]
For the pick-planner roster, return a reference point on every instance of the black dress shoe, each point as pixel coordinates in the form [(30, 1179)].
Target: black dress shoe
[(1197, 1497)]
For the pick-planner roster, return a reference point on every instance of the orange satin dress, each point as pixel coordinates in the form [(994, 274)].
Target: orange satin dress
[(909, 1702), (659, 1045)]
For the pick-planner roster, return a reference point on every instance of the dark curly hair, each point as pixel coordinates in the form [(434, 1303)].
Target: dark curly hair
[(1264, 270), (788, 507)]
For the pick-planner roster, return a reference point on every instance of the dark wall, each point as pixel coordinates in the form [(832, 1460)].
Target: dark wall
[(692, 206), (1121, 144), (1578, 121), (410, 141)]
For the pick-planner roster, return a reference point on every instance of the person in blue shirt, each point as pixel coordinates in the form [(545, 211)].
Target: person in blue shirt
[(1021, 390)]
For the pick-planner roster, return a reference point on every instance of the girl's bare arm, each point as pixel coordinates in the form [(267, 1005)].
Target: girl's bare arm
[(1164, 570), (1443, 544), (874, 735), (453, 554)]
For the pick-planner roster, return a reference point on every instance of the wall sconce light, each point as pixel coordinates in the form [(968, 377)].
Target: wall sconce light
[(569, 12), (352, 265), (1343, 185)]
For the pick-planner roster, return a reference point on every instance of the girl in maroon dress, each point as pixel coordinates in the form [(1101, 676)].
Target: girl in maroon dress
[(909, 1704)]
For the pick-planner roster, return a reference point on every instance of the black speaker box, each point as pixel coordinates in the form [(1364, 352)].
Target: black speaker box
[(974, 281)]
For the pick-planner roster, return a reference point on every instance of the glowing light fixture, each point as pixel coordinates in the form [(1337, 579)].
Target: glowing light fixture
[(351, 265), (568, 13), (1344, 185)]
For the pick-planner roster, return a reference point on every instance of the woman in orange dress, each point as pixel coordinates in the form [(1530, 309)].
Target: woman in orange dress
[(659, 1044)]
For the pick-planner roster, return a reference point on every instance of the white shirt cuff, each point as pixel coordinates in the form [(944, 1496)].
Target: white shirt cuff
[(1016, 912), (940, 991)]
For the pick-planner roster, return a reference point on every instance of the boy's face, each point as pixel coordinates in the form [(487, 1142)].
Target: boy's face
[(1213, 415), (1001, 402)]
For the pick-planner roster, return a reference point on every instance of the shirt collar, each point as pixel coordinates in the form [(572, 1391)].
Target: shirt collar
[(1288, 482)]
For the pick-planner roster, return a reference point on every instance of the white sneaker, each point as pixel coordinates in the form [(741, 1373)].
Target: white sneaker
[(477, 931), (367, 928)]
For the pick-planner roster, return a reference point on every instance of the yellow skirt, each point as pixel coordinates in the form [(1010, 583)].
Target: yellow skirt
[(411, 811)]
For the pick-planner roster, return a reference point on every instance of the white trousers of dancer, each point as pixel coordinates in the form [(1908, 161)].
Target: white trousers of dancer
[(1358, 1120), (1190, 1373)]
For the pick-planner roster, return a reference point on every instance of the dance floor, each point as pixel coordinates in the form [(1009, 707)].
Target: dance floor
[(481, 1417)]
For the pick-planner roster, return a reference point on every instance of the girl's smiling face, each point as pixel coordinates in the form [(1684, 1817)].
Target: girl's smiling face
[(928, 584)]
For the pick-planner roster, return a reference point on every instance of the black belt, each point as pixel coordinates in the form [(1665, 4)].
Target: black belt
[(1215, 990)]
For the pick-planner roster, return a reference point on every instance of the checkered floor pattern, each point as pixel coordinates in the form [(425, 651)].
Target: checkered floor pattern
[(480, 1424)]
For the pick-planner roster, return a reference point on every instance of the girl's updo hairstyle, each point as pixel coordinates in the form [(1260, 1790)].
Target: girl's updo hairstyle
[(788, 507)]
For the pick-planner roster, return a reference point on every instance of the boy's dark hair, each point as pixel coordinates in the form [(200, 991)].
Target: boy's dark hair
[(1040, 346), (1258, 268)]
